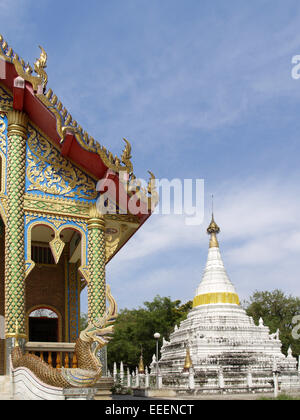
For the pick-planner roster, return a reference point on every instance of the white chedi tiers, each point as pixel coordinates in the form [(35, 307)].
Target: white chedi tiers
[(218, 332)]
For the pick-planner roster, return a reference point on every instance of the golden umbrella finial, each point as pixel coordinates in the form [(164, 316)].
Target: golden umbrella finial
[(213, 229)]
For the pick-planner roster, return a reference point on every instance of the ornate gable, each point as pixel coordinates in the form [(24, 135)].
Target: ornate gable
[(50, 173)]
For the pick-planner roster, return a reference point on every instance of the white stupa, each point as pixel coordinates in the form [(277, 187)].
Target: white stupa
[(219, 335)]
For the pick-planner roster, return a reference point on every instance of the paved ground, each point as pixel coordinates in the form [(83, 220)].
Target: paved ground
[(4, 397), (130, 397), (199, 397), (214, 397)]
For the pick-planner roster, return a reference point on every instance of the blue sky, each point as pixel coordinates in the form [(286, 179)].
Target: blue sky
[(202, 89)]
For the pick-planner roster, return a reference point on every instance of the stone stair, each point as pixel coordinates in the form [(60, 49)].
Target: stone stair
[(5, 388), (103, 387)]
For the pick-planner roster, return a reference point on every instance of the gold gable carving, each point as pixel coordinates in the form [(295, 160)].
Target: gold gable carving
[(5, 99), (49, 172)]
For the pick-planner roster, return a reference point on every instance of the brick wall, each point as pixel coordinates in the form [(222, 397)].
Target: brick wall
[(45, 285)]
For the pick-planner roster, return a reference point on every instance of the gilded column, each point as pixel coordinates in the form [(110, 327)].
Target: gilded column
[(96, 264), (14, 235)]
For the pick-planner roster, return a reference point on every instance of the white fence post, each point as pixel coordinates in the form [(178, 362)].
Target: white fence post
[(275, 377), (249, 378), (128, 378), (160, 380), (147, 379), (122, 373), (191, 379), (115, 372), (221, 378), (137, 378)]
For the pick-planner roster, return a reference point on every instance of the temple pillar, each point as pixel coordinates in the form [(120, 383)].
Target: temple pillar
[(97, 278), (96, 264), (14, 235)]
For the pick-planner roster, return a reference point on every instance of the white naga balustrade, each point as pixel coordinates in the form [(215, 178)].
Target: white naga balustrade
[(133, 379)]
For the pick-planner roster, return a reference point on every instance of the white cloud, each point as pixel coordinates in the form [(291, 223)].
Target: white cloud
[(259, 240), (249, 211), (263, 250), (158, 234), (258, 206)]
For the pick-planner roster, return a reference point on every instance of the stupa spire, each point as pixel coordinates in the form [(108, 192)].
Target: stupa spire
[(213, 229), (215, 286)]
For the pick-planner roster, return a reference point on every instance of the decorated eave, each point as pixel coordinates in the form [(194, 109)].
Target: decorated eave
[(29, 90)]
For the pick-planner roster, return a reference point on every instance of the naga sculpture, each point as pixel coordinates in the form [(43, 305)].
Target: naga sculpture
[(90, 341)]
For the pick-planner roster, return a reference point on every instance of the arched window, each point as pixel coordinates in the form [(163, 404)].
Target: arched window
[(43, 325), (43, 313)]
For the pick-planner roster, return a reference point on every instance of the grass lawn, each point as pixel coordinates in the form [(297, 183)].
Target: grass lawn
[(282, 397)]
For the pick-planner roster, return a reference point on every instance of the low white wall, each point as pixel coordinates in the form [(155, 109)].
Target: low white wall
[(26, 386)]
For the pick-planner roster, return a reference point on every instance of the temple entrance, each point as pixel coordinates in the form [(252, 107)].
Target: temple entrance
[(43, 326), (54, 282)]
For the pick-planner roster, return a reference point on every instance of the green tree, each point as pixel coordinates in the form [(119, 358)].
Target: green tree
[(83, 321), (134, 330), (277, 310)]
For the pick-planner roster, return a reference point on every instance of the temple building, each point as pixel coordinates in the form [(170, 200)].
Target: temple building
[(54, 240), (218, 340)]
